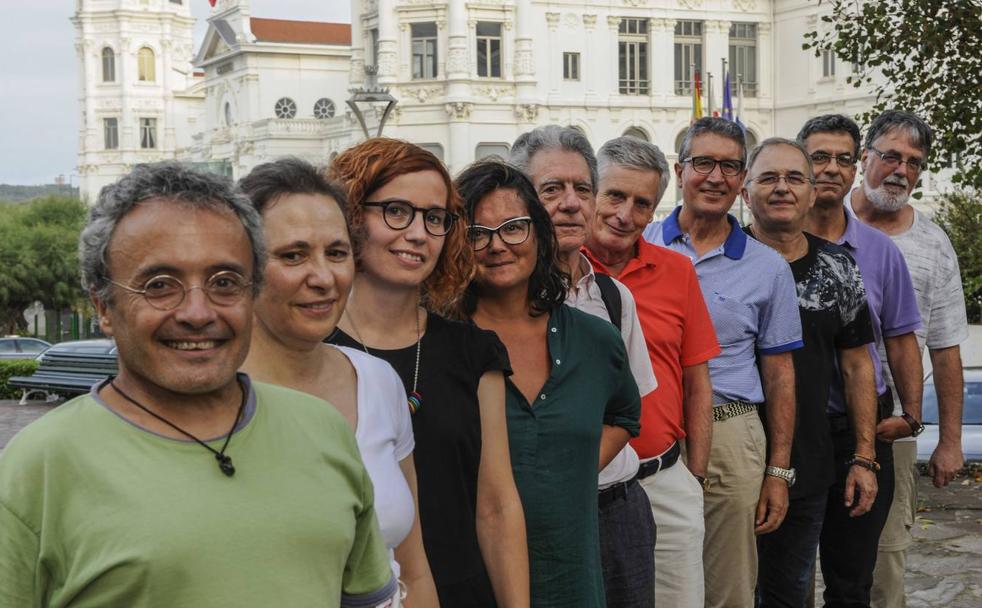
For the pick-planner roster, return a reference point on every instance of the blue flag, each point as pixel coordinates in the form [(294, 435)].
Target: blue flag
[(727, 99)]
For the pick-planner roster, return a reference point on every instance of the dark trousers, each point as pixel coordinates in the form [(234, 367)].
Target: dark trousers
[(786, 556), (848, 545), (627, 549)]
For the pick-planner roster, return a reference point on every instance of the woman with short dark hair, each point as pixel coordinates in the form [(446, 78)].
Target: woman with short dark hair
[(572, 402)]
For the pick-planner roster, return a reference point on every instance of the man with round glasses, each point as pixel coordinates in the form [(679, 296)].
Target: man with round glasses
[(180, 481), (848, 543), (896, 146), (836, 327), (750, 292), (563, 169)]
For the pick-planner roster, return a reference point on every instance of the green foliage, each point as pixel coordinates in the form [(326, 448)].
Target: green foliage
[(930, 55), (14, 368), (960, 216), (39, 257)]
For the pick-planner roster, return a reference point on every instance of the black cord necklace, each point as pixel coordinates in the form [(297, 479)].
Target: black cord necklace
[(224, 462)]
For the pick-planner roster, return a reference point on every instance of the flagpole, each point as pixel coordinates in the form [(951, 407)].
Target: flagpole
[(709, 92)]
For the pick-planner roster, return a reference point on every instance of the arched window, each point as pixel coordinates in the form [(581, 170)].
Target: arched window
[(751, 139), (108, 65), (637, 133), (285, 108), (146, 65), (679, 140), (484, 150)]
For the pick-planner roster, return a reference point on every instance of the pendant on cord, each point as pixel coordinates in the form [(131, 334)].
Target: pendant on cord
[(415, 402), (225, 464)]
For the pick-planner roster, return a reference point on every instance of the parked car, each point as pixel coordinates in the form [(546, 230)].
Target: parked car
[(971, 417), (69, 368), (17, 347)]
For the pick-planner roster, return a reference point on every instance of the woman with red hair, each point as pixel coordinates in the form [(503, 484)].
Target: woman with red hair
[(413, 262)]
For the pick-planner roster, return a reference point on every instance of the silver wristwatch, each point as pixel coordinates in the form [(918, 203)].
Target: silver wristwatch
[(787, 475)]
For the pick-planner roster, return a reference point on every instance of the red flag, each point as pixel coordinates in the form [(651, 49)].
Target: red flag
[(212, 3)]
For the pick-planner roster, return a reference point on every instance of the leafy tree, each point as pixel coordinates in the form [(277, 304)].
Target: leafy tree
[(39, 257), (929, 53), (960, 215)]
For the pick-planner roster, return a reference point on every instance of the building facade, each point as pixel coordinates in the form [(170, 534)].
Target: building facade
[(469, 76)]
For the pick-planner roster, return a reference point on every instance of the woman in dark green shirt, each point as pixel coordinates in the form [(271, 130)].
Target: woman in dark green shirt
[(572, 402)]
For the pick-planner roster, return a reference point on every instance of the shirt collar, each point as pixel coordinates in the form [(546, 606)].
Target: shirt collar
[(733, 247), (850, 235)]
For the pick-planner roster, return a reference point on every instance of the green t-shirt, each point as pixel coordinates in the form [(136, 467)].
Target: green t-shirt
[(95, 511)]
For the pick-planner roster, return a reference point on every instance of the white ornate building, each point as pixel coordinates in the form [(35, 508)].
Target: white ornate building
[(469, 75)]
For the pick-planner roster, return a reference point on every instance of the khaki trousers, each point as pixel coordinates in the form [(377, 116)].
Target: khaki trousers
[(736, 472), (676, 504), (891, 559)]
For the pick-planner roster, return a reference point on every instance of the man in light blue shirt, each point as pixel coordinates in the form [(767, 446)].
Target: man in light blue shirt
[(751, 296)]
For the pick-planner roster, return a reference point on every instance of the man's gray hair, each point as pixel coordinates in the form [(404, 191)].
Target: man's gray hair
[(717, 126), (779, 141), (917, 130), (553, 137), (167, 181), (634, 153)]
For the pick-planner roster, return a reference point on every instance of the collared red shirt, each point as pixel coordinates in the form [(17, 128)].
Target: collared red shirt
[(585, 296), (751, 296), (677, 332), (889, 290)]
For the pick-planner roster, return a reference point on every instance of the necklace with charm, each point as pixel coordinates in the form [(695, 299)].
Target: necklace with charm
[(415, 399), (224, 461)]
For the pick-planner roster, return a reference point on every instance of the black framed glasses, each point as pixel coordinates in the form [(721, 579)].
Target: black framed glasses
[(399, 214), (794, 180), (165, 292), (706, 164), (511, 232), (893, 160), (820, 159)]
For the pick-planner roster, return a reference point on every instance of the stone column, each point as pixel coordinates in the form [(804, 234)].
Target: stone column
[(388, 42), (357, 73), (459, 68), (613, 78), (717, 40), (765, 63), (128, 130), (524, 69), (662, 58)]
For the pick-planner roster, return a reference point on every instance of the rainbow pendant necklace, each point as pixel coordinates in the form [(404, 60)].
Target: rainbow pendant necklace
[(415, 400)]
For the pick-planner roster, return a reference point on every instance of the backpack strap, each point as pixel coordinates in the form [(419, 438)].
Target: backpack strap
[(611, 297)]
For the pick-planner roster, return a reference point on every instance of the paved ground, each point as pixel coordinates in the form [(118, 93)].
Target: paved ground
[(944, 564)]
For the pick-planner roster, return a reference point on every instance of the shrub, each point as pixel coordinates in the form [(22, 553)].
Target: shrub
[(19, 367)]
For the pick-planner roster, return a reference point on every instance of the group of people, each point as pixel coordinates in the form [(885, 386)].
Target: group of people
[(505, 389)]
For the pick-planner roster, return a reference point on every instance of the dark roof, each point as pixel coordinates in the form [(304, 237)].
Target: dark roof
[(301, 32)]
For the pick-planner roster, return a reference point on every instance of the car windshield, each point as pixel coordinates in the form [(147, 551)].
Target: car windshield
[(972, 413)]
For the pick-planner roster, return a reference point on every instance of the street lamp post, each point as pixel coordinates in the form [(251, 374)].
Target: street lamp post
[(371, 94)]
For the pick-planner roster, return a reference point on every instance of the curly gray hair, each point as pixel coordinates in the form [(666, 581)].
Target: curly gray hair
[(553, 137), (169, 181)]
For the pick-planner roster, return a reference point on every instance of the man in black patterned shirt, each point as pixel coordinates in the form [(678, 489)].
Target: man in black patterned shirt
[(835, 320)]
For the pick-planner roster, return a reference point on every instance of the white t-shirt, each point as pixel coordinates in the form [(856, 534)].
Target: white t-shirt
[(385, 437), (586, 297)]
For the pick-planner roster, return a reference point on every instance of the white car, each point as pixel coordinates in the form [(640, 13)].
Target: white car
[(971, 417)]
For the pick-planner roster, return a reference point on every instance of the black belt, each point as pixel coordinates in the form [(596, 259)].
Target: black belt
[(614, 492), (660, 463)]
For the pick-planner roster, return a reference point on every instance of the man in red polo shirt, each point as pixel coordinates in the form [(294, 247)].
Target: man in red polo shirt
[(633, 176)]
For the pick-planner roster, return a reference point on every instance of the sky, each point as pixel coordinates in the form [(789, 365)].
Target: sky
[(39, 108)]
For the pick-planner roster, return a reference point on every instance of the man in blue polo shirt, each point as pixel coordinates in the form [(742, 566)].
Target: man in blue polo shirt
[(751, 296), (849, 544)]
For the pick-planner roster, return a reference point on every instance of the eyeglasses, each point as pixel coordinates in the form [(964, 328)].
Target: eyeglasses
[(794, 180), (399, 214), (165, 292), (512, 232), (893, 160), (820, 159), (705, 165)]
